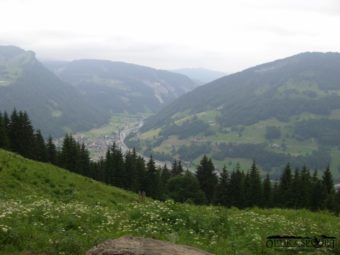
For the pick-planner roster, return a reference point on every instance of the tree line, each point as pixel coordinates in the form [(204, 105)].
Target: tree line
[(296, 188)]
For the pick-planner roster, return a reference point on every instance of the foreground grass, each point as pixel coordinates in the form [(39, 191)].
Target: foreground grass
[(46, 210)]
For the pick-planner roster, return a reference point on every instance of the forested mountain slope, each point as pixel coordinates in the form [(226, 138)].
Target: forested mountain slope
[(122, 87), (55, 107), (286, 110)]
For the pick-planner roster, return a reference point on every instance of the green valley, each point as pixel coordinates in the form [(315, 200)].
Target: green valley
[(283, 111)]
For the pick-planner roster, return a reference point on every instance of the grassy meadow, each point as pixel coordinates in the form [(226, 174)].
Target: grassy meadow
[(47, 210)]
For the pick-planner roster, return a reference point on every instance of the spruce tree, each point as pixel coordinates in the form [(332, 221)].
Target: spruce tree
[(327, 181), (328, 189), (4, 142), (165, 176), (141, 184), (316, 195), (39, 147), (237, 188), (177, 168), (285, 188), (222, 196), (152, 180), (267, 200), (84, 161), (305, 188), (51, 151), (20, 133), (207, 177), (255, 186)]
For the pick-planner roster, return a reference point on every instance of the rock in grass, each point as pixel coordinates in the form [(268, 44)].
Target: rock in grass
[(142, 246)]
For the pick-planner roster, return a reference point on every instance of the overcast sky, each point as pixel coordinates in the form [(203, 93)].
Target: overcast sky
[(217, 34)]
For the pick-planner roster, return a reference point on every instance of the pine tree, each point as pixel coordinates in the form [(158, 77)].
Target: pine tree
[(255, 186), (51, 151), (222, 196), (328, 190), (108, 167), (4, 141), (285, 188), (295, 189), (207, 177), (165, 176), (130, 177), (20, 133), (177, 168), (119, 168), (140, 175), (305, 188), (316, 195), (267, 201), (237, 188), (327, 181), (84, 161), (39, 147), (152, 180)]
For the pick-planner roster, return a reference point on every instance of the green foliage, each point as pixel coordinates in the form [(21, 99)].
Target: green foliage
[(185, 188), (207, 177), (46, 222)]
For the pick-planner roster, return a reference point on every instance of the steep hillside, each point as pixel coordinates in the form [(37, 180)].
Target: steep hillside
[(121, 87), (200, 75), (54, 106), (48, 210), (286, 110)]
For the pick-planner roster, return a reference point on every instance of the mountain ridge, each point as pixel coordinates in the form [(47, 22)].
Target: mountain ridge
[(262, 113)]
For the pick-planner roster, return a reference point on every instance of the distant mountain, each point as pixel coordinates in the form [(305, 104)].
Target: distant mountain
[(54, 106), (284, 111), (200, 75), (122, 87)]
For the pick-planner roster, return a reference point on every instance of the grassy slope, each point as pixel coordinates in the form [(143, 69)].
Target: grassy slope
[(47, 210)]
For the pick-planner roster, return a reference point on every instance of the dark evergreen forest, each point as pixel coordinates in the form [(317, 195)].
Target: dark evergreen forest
[(295, 188)]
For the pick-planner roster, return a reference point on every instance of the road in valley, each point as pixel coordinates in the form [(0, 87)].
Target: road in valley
[(123, 133)]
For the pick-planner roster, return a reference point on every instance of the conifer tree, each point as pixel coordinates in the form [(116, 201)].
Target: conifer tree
[(130, 173), (285, 188), (222, 196), (237, 188), (141, 184), (328, 189), (39, 147), (267, 200), (84, 161), (295, 189), (20, 133), (316, 195), (327, 181), (51, 151), (165, 176), (304, 188), (255, 186), (177, 168), (4, 142), (119, 168), (152, 180), (207, 177)]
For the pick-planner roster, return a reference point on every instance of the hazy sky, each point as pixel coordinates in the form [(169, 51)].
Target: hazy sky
[(217, 34)]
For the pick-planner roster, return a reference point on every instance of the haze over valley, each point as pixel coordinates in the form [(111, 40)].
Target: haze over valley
[(169, 127)]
